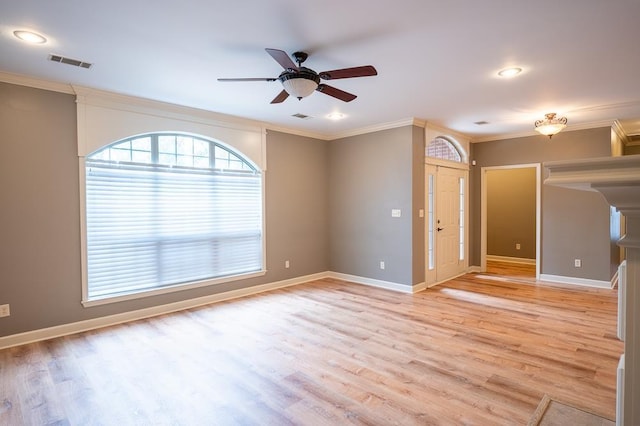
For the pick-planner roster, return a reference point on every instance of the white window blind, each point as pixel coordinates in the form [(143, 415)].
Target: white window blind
[(152, 226)]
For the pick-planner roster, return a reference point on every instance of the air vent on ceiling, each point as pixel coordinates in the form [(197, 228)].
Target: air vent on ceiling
[(302, 116), (69, 61)]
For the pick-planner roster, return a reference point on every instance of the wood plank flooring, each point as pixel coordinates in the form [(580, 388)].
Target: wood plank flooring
[(478, 350), (515, 271)]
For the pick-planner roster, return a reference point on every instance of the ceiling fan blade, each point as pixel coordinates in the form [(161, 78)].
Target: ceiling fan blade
[(280, 98), (336, 93), (247, 79), (364, 71), (282, 58)]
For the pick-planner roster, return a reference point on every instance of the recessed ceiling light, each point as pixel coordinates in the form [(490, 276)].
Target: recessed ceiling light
[(30, 37), (335, 116), (509, 72)]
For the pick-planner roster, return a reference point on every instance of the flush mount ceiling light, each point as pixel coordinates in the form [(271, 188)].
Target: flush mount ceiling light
[(509, 72), (551, 124), (29, 37)]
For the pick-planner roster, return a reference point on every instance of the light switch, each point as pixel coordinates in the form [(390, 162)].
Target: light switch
[(396, 213)]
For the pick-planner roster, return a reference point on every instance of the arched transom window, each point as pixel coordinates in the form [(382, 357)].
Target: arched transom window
[(166, 210), (443, 149)]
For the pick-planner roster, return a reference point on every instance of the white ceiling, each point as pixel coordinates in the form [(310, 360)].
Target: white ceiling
[(436, 60)]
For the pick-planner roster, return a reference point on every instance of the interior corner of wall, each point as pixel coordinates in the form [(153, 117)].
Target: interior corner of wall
[(263, 142), (81, 115)]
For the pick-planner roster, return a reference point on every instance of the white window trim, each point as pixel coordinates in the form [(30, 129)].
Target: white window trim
[(103, 116)]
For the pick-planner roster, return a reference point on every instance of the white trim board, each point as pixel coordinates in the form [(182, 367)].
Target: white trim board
[(508, 259), (575, 281), (94, 323), (388, 285)]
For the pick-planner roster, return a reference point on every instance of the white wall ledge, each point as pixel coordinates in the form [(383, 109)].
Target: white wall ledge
[(591, 173)]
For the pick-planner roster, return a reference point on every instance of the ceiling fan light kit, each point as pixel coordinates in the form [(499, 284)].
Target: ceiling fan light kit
[(550, 125), (300, 82)]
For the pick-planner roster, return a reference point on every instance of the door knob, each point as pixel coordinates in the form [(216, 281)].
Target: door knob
[(439, 229)]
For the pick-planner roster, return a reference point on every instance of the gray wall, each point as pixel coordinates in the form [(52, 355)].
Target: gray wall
[(328, 207), (511, 212), (371, 175), (40, 275), (297, 205), (575, 224)]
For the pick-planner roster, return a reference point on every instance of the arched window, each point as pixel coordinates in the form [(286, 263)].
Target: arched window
[(443, 149), (168, 209)]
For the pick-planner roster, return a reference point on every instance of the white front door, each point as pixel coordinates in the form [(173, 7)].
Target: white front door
[(446, 223)]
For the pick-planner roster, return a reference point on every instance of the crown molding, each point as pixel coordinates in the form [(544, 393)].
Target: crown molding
[(349, 133), (104, 98), (223, 119), (619, 130), (448, 132), (580, 126), (627, 139), (297, 132), (412, 121), (36, 83)]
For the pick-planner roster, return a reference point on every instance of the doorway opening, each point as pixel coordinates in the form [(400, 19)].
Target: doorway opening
[(510, 211)]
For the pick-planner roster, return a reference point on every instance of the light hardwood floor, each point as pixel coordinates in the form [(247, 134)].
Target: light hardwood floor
[(515, 271), (478, 350)]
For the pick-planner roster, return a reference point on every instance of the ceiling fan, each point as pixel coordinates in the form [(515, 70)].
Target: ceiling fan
[(301, 81)]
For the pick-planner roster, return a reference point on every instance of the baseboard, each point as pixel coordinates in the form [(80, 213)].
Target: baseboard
[(92, 324), (507, 259), (95, 323), (403, 288), (575, 281), (614, 280), (448, 279), (474, 268), (420, 287)]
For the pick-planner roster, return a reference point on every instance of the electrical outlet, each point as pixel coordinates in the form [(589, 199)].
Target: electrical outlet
[(517, 246), (286, 264), (382, 264), (4, 310), (396, 212), (577, 263)]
